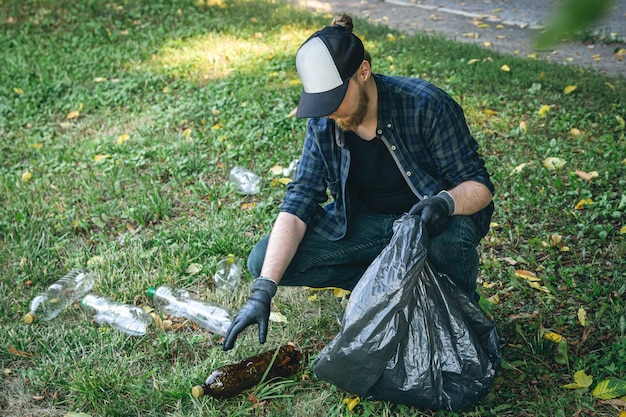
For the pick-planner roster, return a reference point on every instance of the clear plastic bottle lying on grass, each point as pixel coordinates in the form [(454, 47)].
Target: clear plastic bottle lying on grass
[(245, 180), (179, 303), (67, 290), (124, 317)]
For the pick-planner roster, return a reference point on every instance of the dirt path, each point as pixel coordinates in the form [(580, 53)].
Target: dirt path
[(489, 30)]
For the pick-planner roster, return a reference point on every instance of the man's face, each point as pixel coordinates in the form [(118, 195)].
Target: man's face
[(352, 110)]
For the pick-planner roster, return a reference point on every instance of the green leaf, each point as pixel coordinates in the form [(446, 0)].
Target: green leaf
[(610, 388), (561, 356)]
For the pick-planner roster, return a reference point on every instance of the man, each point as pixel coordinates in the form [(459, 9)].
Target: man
[(381, 146)]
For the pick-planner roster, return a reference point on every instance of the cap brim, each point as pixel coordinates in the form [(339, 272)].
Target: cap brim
[(314, 105)]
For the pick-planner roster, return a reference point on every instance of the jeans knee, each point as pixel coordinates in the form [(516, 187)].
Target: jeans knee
[(256, 257), (454, 253)]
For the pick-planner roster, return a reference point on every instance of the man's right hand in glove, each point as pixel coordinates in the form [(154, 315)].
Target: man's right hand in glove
[(255, 310)]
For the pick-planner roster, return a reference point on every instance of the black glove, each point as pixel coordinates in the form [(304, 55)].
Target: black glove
[(255, 310), (435, 212)]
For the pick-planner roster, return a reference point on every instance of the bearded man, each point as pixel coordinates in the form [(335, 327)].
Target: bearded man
[(376, 147)]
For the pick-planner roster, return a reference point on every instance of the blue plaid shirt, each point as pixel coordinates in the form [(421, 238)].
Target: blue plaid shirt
[(427, 135)]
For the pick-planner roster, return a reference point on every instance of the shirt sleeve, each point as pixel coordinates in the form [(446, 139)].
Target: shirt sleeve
[(452, 147), (307, 190)]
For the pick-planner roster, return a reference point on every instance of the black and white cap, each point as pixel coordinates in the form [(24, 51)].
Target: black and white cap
[(325, 63)]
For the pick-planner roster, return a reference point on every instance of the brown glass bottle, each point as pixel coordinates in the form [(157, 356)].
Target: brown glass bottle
[(230, 380)]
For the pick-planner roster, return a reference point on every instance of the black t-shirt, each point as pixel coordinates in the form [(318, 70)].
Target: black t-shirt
[(374, 177)]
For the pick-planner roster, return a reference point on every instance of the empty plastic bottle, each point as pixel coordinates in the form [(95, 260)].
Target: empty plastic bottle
[(179, 303), (124, 317), (291, 170), (230, 380), (228, 273), (61, 294), (245, 180)]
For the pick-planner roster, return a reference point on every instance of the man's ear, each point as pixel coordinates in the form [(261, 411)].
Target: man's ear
[(364, 70)]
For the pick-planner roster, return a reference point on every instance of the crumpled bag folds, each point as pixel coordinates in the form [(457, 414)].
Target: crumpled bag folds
[(410, 335)]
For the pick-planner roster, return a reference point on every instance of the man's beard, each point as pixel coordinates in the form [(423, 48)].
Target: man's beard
[(353, 121)]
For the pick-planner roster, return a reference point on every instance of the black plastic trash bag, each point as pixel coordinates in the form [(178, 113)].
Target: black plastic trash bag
[(410, 335)]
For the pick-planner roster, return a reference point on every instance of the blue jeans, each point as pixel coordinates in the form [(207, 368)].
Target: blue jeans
[(320, 262)]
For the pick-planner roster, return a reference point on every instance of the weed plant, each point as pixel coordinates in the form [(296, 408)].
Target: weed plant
[(120, 122)]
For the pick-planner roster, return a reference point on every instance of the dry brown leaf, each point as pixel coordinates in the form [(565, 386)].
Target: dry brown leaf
[(587, 176), (521, 273)]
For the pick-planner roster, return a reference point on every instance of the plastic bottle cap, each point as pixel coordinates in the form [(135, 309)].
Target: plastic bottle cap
[(197, 391), (151, 292), (29, 317)]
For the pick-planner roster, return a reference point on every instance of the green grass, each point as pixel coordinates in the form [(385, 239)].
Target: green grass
[(202, 86)]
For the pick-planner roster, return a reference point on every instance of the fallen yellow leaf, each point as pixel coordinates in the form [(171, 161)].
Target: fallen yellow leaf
[(98, 158), (518, 168), (122, 138), (391, 37), (26, 176), (537, 286), (340, 292), (581, 380), (278, 317), (494, 299), (351, 402), (622, 230), (284, 181), (276, 170), (543, 111), (582, 203), (486, 44), (584, 380), (95, 260), (72, 115), (313, 297), (556, 240), (523, 127), (521, 273), (582, 316), (620, 121), (18, 90), (505, 68), (553, 163), (574, 132), (569, 89), (553, 337)]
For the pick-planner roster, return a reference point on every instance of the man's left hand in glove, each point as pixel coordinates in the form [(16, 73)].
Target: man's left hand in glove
[(435, 212)]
